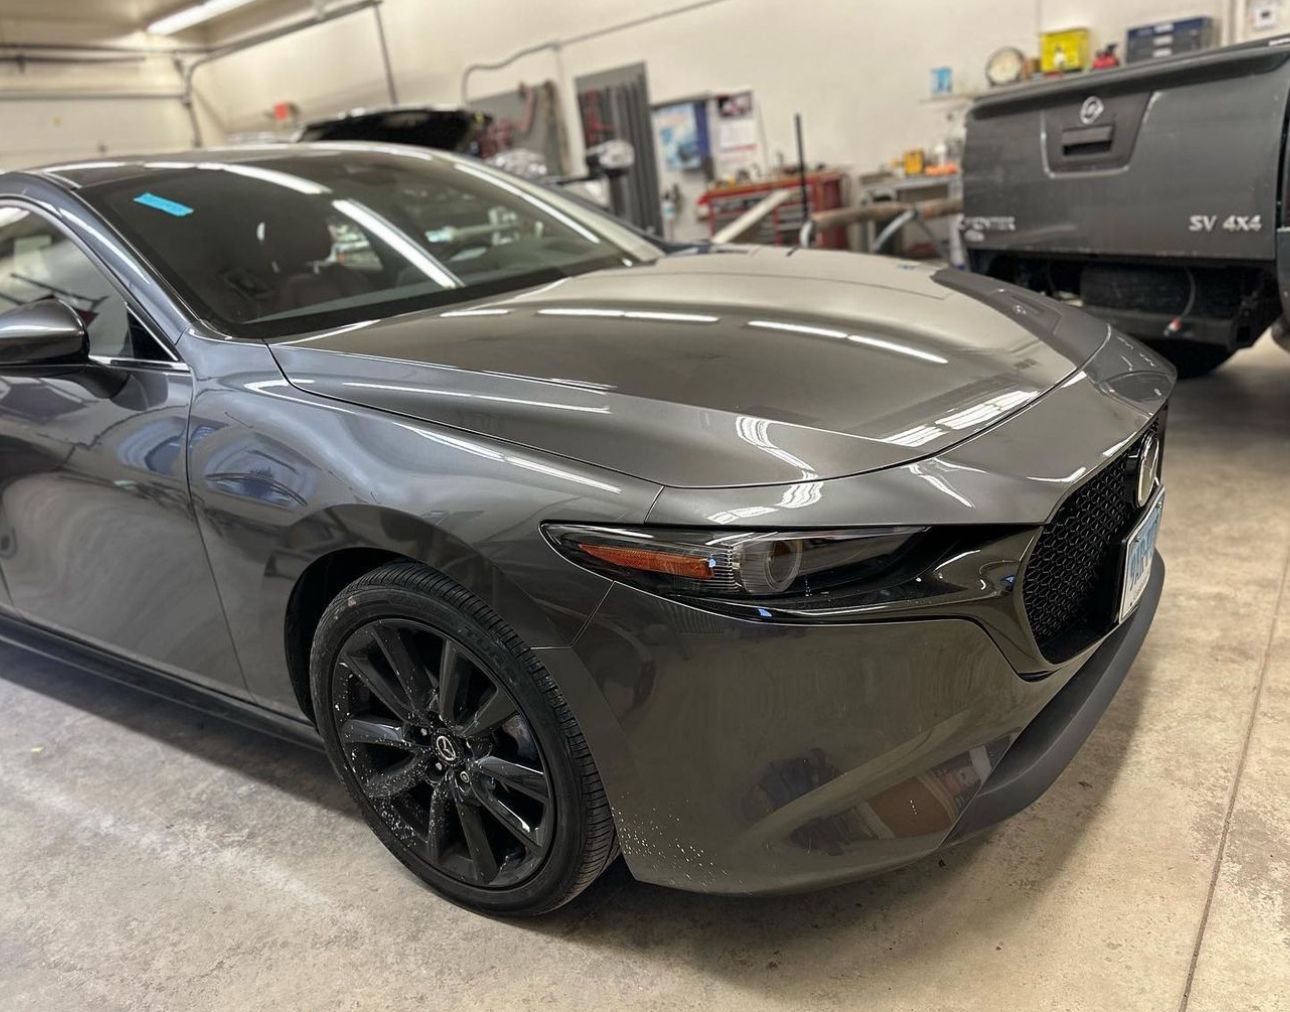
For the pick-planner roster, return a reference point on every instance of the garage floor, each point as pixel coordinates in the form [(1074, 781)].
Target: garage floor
[(154, 858)]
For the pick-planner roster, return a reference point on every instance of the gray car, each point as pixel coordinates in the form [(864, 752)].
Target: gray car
[(769, 568)]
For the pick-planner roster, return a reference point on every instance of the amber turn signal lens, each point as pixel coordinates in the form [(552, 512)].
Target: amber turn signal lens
[(671, 563)]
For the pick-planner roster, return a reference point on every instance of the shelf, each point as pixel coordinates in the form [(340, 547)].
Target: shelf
[(958, 96)]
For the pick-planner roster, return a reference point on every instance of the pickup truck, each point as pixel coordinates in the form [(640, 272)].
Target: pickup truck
[(1151, 194)]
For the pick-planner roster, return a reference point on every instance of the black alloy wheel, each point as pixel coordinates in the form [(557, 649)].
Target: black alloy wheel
[(457, 745), (442, 752)]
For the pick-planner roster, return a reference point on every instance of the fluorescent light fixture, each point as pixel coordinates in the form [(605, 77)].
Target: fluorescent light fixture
[(194, 15)]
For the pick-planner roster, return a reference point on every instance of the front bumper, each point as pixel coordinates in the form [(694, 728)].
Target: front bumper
[(1050, 741), (743, 757), (746, 756)]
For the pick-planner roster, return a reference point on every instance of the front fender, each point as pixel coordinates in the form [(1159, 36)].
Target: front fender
[(281, 477), (350, 526)]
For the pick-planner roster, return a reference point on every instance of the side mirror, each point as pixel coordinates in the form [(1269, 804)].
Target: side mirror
[(44, 332)]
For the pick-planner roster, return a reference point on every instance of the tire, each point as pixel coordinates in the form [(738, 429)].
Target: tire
[(490, 763), (1192, 358)]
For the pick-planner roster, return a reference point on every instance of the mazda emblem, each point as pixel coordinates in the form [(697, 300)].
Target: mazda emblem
[(1148, 467), (446, 748)]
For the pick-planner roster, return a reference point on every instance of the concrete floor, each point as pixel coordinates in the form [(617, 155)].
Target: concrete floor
[(154, 858)]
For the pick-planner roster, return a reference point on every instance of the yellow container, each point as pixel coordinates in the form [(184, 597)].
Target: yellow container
[(1069, 49)]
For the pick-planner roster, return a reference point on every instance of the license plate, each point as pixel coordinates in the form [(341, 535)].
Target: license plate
[(1139, 550)]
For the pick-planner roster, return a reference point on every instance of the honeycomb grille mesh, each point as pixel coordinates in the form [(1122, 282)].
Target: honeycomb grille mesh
[(1071, 583)]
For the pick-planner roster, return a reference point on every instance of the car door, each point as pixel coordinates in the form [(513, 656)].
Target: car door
[(98, 539)]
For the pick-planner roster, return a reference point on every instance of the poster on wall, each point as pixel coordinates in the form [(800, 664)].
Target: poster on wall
[(677, 129), (738, 146)]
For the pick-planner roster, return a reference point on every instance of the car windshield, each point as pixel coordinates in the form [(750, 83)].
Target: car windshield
[(302, 239)]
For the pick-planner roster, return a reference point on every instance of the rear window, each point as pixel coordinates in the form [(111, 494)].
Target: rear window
[(304, 239), (439, 129)]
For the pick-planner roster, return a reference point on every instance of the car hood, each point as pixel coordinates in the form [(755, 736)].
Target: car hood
[(727, 366)]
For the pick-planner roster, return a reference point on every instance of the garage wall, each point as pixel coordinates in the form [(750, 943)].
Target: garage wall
[(40, 133), (56, 112), (858, 68)]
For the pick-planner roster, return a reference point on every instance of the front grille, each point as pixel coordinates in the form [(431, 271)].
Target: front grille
[(1071, 583)]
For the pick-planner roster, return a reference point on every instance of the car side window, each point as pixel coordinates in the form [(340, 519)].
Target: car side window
[(39, 261)]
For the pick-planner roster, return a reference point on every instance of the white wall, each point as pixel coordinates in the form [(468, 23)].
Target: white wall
[(45, 132), (857, 69), (44, 119)]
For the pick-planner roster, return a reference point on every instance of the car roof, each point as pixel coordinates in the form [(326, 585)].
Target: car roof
[(89, 173)]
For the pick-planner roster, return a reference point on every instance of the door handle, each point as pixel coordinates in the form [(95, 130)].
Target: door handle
[(1087, 140)]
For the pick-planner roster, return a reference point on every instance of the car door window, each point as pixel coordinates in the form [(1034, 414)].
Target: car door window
[(39, 261)]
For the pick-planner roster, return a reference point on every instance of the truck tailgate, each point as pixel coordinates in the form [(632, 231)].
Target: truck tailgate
[(1177, 157)]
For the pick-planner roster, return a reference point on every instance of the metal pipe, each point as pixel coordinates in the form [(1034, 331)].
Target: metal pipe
[(501, 64), (385, 55), (103, 47), (805, 238), (251, 42), (273, 34), (88, 96), (205, 54), (558, 44), (885, 210), (49, 59), (752, 217)]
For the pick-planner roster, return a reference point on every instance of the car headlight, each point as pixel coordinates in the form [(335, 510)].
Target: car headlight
[(733, 564)]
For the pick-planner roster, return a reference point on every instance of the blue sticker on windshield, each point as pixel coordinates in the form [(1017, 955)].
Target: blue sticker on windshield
[(162, 204)]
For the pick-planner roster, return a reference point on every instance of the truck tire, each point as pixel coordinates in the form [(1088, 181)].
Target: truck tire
[(1192, 358)]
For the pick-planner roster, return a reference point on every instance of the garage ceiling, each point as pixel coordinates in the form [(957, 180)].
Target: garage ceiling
[(127, 13), (120, 16)]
